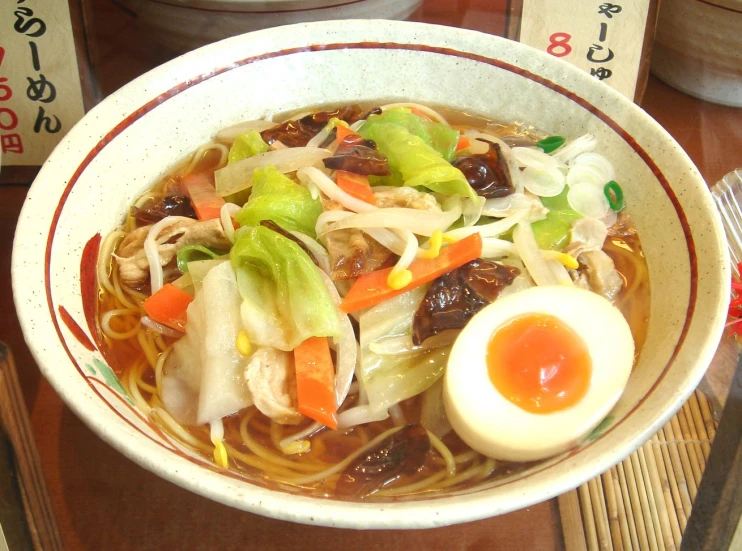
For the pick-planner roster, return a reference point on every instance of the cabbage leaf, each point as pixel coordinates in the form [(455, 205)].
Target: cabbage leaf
[(284, 299), (246, 145), (391, 378), (440, 137), (552, 233), (276, 197), (415, 161)]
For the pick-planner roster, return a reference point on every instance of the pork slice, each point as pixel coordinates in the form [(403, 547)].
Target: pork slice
[(132, 260), (602, 275), (272, 382), (405, 197)]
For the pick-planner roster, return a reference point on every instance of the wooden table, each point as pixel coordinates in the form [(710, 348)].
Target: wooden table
[(104, 501)]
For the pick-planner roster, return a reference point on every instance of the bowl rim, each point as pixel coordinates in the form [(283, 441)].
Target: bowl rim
[(300, 508)]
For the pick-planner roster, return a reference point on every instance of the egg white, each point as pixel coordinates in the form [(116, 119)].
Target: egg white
[(494, 426)]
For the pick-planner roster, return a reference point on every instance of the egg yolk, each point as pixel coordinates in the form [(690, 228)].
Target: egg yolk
[(539, 363)]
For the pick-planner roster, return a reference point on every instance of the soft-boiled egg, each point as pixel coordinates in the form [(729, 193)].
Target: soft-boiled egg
[(535, 372)]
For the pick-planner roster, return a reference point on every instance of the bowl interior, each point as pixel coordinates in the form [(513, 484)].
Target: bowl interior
[(134, 137)]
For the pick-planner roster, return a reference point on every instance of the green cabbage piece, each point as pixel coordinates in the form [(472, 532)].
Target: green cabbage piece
[(285, 300), (440, 137), (276, 197), (392, 378), (246, 145), (416, 161), (553, 232)]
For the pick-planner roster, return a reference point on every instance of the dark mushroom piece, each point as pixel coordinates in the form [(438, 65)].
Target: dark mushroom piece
[(401, 453), (171, 205), (454, 298), (488, 173)]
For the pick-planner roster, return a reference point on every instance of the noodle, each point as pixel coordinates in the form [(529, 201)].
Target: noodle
[(134, 383), (445, 453), (201, 152), (344, 463), (105, 323), (265, 454), (414, 488), (158, 369)]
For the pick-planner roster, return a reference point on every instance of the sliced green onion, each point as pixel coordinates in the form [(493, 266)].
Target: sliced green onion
[(187, 253), (614, 194), (551, 143)]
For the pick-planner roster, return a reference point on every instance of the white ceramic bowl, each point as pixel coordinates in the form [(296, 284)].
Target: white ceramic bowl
[(183, 25), (135, 136)]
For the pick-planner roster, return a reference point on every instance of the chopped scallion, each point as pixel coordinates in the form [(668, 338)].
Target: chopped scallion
[(551, 143), (614, 194)]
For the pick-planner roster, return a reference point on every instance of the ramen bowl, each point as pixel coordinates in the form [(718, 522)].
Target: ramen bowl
[(124, 145)]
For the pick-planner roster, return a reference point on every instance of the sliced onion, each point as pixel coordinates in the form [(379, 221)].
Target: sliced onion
[(544, 183), (230, 134), (489, 230), (588, 200), (421, 222), (528, 250), (590, 232), (432, 413), (226, 214), (153, 255), (302, 434), (560, 272), (610, 218), (596, 161), (585, 175), (320, 137), (410, 250), (360, 415), (238, 176), (534, 158), (346, 347), (497, 248), (329, 217), (388, 239), (330, 188), (159, 328), (577, 146), (391, 346), (471, 210), (319, 252), (499, 208)]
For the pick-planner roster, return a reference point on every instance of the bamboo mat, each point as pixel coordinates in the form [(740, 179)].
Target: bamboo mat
[(644, 502)]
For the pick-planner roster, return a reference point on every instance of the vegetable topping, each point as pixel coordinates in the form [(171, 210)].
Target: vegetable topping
[(488, 173), (297, 133), (454, 298), (170, 205)]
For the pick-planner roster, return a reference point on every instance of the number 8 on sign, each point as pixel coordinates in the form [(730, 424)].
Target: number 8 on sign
[(559, 44)]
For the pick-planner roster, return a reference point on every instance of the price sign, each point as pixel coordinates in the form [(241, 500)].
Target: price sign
[(604, 39), (40, 92)]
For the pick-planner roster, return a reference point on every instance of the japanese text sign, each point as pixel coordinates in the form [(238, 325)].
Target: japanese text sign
[(604, 39), (40, 92)]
